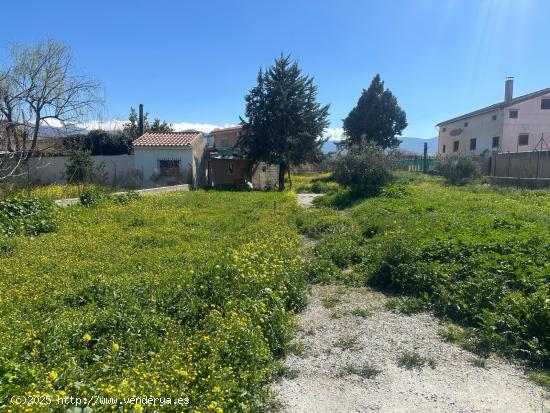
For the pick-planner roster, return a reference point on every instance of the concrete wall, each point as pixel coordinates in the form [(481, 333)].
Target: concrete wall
[(534, 164), (531, 120), (147, 161), (483, 128), (119, 170), (262, 175)]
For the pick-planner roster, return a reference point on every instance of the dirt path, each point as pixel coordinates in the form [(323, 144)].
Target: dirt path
[(350, 363), (306, 200), (350, 356)]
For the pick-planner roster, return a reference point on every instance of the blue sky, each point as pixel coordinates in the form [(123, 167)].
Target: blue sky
[(193, 61)]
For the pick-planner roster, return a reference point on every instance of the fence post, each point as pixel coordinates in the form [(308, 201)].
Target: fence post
[(425, 163)]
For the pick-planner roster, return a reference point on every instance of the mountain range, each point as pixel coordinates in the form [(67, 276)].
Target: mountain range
[(408, 144)]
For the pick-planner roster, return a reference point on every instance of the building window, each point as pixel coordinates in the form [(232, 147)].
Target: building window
[(224, 143), (169, 167), (496, 142), (444, 148), (473, 143), (455, 146), (494, 117), (523, 139), (231, 168), (237, 134), (513, 114), (545, 103), (444, 129), (465, 124)]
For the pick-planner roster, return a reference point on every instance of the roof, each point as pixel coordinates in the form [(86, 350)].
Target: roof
[(150, 139), (497, 106), (227, 129)]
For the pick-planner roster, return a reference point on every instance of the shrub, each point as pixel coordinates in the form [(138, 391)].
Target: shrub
[(364, 168), (28, 216), (459, 169), (82, 168)]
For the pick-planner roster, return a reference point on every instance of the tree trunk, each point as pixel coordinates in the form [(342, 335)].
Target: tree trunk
[(289, 178), (282, 170)]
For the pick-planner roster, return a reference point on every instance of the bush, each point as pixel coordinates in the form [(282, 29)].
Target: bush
[(364, 168), (459, 169), (28, 216), (82, 168)]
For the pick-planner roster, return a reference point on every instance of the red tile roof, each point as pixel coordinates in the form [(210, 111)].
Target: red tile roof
[(166, 139)]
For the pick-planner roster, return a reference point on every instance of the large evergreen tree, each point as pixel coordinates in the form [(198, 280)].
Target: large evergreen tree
[(377, 117), (284, 120)]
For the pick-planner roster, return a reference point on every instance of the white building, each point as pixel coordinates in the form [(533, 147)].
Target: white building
[(514, 125), (170, 158)]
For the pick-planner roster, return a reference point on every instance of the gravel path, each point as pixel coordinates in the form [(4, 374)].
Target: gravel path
[(306, 200), (334, 338), (347, 360)]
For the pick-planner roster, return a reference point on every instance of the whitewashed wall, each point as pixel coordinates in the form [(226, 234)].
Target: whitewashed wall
[(120, 170), (147, 162)]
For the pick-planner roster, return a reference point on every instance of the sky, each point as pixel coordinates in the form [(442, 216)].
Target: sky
[(192, 62)]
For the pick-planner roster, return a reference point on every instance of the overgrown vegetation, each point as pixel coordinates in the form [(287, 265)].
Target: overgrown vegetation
[(27, 216), (474, 254), (459, 169), (179, 295)]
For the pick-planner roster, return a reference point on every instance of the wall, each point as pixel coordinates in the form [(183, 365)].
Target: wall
[(146, 161), (532, 120), (221, 177), (120, 170), (482, 127), (533, 164), (231, 134), (261, 175)]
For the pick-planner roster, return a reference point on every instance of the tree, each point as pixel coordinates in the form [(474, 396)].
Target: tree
[(284, 120), (41, 87), (377, 117), (131, 128)]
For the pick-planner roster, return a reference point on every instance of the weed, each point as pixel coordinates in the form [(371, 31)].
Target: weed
[(330, 302), (365, 371), (411, 360), (478, 362), (350, 343), (362, 312), (406, 305)]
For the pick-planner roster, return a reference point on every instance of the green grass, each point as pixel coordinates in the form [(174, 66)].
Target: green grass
[(313, 183), (179, 295), (477, 255)]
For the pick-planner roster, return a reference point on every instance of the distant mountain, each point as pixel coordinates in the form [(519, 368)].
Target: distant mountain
[(415, 145)]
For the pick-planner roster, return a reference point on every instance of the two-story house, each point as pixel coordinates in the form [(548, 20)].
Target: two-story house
[(513, 125)]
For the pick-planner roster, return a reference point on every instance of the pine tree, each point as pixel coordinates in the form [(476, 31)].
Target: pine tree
[(377, 117), (285, 121)]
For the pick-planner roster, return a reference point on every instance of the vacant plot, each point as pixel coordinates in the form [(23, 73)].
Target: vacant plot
[(186, 295), (475, 254)]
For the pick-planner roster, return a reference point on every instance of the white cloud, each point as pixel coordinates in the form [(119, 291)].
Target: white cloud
[(334, 134)]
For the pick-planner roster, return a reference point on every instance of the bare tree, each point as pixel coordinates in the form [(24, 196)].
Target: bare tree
[(41, 88)]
